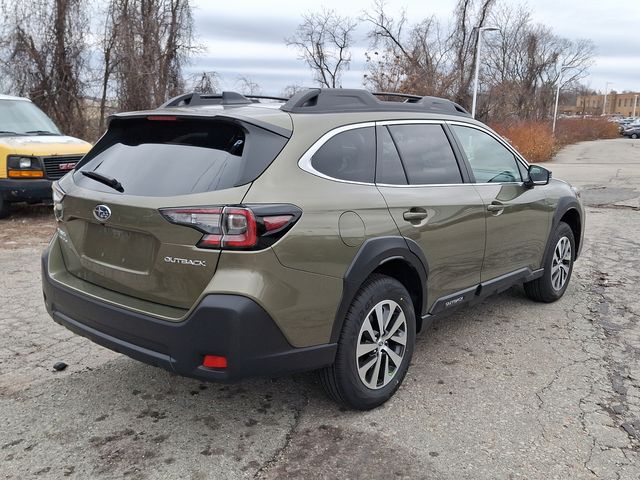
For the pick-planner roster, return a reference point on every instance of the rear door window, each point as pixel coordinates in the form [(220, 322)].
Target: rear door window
[(161, 158), (349, 155), (389, 169), (426, 154)]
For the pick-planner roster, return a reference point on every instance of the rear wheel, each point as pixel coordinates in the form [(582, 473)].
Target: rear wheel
[(4, 208), (634, 135), (375, 345), (557, 269)]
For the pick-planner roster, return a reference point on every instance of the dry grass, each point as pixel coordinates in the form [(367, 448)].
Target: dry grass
[(537, 143), (573, 130)]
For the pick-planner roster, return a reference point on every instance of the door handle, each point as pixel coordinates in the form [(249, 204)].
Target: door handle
[(496, 208), (414, 215)]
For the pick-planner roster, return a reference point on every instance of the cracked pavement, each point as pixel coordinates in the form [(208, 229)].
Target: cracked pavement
[(506, 389)]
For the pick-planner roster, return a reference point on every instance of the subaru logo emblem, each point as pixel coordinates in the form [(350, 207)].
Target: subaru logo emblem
[(102, 213)]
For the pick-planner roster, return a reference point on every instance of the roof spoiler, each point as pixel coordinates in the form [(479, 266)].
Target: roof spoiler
[(225, 98)]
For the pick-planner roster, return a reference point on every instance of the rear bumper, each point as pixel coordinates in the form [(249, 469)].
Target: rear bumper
[(25, 190), (229, 325)]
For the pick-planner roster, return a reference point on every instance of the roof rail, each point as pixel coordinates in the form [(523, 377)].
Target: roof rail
[(225, 98), (336, 100), (267, 97), (409, 98)]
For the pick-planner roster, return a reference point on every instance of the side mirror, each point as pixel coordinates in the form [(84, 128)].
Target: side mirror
[(537, 176)]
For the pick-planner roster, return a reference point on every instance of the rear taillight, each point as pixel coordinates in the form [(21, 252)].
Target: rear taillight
[(236, 227)]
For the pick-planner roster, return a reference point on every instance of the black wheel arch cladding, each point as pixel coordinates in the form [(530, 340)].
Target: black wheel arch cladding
[(373, 253)]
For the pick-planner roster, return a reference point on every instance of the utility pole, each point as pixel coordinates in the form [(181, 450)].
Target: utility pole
[(635, 104), (555, 110), (478, 50), (604, 104)]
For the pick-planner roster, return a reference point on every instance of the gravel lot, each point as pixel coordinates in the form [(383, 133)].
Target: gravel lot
[(507, 389)]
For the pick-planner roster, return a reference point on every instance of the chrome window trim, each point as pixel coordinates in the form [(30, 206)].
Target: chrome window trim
[(305, 160), (447, 184), (408, 122)]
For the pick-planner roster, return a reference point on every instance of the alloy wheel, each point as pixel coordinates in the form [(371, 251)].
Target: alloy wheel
[(561, 263), (381, 344)]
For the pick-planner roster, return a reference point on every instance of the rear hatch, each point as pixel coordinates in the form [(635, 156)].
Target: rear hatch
[(114, 233)]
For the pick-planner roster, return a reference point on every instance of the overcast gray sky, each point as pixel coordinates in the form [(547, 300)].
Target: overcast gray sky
[(246, 37)]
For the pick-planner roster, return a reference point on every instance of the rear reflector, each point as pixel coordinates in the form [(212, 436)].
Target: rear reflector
[(214, 361)]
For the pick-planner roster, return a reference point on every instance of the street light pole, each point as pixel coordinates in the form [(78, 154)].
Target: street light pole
[(478, 50), (555, 110), (606, 91), (635, 104)]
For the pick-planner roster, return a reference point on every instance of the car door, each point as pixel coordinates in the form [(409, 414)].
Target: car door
[(517, 216), (424, 186)]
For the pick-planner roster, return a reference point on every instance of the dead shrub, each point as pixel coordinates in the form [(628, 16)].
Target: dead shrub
[(537, 143), (533, 140)]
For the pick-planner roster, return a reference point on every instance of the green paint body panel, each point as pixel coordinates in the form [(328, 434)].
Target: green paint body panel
[(452, 236)]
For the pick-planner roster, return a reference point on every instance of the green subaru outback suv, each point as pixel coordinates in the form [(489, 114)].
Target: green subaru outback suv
[(222, 237)]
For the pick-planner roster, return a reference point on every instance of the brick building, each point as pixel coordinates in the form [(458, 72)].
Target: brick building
[(617, 103)]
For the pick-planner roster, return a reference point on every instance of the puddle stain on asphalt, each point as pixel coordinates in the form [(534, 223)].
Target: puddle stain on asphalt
[(336, 452)]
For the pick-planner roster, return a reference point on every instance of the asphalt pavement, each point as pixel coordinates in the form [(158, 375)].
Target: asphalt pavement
[(506, 389)]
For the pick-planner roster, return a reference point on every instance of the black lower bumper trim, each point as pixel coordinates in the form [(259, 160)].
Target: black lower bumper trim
[(229, 325), (25, 190)]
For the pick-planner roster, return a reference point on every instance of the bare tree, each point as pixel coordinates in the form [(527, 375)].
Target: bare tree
[(425, 58), (520, 66), (205, 82), (153, 41), (111, 30), (523, 65), (290, 90), (324, 40), (45, 56), (469, 19), (406, 57), (248, 86)]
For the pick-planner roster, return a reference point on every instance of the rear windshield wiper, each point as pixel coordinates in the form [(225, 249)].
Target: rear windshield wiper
[(108, 181), (41, 132)]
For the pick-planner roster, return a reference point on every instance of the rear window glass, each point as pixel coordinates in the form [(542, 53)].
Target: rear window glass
[(349, 155), (166, 158)]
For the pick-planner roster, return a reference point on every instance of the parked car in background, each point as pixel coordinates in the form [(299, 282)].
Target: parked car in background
[(632, 132), (33, 153), (625, 122)]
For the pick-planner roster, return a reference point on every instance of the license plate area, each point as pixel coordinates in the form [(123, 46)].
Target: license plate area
[(125, 249)]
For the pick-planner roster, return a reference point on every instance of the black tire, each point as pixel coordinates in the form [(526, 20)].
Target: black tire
[(544, 289), (634, 135), (4, 208), (342, 381)]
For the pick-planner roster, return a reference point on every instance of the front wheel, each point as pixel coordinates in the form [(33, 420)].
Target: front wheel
[(634, 135), (557, 268), (375, 345)]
